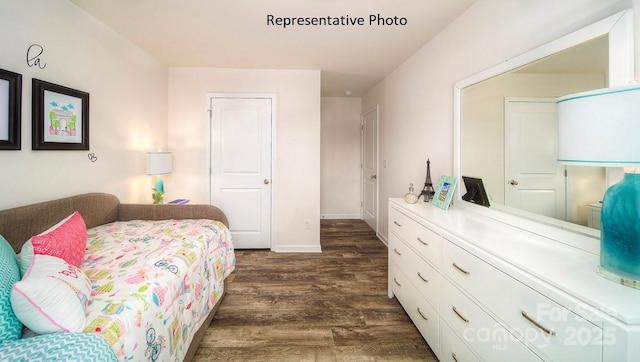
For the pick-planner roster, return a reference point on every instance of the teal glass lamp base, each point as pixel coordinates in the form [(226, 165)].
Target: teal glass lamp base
[(158, 191), (620, 244)]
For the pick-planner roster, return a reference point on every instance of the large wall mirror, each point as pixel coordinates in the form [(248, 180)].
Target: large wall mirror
[(506, 123)]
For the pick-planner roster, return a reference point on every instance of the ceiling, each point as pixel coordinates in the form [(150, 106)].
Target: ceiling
[(235, 34)]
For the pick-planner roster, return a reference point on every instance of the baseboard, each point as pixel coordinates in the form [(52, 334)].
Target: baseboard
[(383, 239), (341, 216), (297, 249)]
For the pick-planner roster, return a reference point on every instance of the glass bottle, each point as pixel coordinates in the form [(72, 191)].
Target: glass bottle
[(410, 197)]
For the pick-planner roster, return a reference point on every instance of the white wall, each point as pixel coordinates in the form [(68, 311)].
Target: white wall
[(416, 100), (340, 158), (296, 180), (128, 99)]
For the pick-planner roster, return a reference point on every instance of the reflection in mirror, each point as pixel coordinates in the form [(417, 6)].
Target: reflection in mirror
[(508, 135), (479, 144)]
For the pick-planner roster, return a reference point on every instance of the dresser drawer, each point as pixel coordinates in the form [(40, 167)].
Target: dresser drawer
[(423, 315), (488, 338), (452, 348), (421, 274), (419, 237), (554, 330)]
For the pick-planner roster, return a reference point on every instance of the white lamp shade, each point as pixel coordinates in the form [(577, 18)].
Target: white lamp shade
[(600, 127), (159, 163)]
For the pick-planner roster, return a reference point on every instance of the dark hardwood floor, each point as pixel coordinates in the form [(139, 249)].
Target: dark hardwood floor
[(329, 306)]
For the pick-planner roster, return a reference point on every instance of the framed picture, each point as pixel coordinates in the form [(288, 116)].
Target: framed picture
[(60, 117), (444, 192), (476, 191), (10, 110)]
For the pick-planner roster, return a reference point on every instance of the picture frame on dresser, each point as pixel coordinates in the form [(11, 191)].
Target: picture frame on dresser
[(10, 110), (444, 191), (60, 117)]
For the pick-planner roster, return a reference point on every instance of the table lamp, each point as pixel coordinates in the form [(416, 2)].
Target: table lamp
[(602, 128), (159, 163)]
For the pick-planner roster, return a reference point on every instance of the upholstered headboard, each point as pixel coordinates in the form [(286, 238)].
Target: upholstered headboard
[(18, 224)]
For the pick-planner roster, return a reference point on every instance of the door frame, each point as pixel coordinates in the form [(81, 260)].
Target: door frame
[(273, 192), (375, 109)]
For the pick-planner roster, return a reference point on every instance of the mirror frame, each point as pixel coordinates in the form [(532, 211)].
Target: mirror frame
[(619, 28)]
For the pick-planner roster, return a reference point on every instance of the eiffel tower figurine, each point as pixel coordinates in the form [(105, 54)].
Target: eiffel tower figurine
[(427, 190)]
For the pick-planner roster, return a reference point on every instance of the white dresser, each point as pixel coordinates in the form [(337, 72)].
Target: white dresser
[(594, 212), (481, 290)]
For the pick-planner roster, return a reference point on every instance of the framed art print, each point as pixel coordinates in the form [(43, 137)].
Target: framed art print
[(60, 117), (10, 110), (444, 192)]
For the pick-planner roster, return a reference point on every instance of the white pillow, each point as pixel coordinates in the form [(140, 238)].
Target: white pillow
[(52, 296)]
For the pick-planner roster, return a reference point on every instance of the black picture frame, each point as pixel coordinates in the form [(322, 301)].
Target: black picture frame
[(476, 191), (11, 117), (57, 113)]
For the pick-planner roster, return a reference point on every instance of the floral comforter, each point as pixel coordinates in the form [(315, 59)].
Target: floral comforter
[(154, 283)]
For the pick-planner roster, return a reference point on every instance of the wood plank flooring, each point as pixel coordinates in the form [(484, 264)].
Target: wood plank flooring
[(329, 306)]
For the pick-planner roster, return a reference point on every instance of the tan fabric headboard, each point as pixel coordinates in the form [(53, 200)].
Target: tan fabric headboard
[(165, 211), (17, 225)]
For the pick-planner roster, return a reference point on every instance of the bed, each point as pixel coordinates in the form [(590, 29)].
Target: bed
[(155, 272)]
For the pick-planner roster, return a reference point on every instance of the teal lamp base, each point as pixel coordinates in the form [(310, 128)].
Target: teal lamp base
[(158, 191), (620, 244)]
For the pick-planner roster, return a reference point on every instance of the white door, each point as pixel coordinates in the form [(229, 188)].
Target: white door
[(241, 167), (535, 181), (369, 166)]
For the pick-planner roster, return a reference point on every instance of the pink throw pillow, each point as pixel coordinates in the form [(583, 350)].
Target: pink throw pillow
[(66, 240)]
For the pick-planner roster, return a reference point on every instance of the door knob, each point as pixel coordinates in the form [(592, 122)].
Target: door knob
[(513, 182), (266, 181), (374, 176)]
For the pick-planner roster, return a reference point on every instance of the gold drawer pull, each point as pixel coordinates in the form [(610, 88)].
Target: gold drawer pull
[(459, 315), (423, 279), (423, 242), (422, 315), (396, 251), (460, 269), (537, 324), (396, 281), (453, 355), (397, 223)]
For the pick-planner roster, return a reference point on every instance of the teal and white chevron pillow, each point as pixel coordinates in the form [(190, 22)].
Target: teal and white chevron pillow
[(10, 325)]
